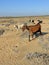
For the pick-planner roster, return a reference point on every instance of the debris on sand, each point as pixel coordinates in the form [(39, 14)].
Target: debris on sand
[(37, 58), (2, 31), (15, 49), (7, 25), (12, 22)]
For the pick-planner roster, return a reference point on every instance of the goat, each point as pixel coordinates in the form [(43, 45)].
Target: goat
[(32, 29)]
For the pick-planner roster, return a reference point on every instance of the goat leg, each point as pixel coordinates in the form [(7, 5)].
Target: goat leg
[(40, 32)]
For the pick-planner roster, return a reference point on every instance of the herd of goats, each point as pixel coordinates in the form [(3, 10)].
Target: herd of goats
[(32, 29)]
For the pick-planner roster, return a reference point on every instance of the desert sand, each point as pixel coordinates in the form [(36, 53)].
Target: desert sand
[(15, 49)]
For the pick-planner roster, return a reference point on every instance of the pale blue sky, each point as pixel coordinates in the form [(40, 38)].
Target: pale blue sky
[(24, 7)]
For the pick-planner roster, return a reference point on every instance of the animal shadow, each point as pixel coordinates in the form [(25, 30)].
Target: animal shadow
[(38, 34)]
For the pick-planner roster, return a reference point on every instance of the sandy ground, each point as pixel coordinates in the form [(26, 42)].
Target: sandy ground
[(14, 45)]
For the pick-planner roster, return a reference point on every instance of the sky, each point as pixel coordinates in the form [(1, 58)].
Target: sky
[(24, 7)]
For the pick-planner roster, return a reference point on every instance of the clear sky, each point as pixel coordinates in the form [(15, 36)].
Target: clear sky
[(24, 7)]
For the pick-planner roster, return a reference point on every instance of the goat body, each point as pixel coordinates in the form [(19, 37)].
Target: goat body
[(32, 29)]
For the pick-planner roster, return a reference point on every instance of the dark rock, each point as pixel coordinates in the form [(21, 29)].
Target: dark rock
[(1, 31)]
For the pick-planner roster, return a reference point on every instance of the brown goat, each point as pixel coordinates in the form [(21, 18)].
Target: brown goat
[(32, 29)]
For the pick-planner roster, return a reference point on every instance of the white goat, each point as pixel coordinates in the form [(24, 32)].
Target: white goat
[(18, 26)]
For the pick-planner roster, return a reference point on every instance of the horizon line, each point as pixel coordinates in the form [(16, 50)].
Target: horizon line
[(25, 16)]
